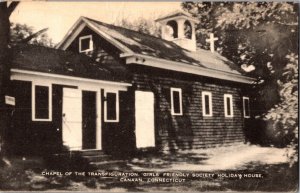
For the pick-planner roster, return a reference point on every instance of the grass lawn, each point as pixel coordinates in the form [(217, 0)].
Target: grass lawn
[(235, 168)]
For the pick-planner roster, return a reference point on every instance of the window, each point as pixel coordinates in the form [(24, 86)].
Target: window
[(41, 102), (206, 103), (176, 101), (228, 105), (111, 106), (85, 43), (246, 107)]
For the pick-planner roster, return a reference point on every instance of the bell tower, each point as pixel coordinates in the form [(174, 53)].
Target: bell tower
[(179, 27)]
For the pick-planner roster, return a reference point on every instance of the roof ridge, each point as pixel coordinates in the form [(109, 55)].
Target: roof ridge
[(101, 22)]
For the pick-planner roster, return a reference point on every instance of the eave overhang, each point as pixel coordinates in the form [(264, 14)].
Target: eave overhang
[(85, 83), (186, 68)]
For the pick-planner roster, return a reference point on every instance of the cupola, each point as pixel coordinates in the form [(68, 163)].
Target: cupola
[(179, 27)]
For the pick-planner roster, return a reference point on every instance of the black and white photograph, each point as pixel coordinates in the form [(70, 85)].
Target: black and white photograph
[(132, 96)]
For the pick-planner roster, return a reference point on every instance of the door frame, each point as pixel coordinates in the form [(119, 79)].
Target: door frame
[(98, 116)]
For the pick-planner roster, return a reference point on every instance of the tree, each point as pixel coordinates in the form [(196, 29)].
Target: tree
[(25, 34), (17, 34), (5, 12), (284, 115), (141, 25)]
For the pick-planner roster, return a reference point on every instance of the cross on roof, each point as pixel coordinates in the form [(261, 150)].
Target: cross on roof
[(211, 41)]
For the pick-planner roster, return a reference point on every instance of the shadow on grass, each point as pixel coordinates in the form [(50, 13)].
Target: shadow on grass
[(163, 161)]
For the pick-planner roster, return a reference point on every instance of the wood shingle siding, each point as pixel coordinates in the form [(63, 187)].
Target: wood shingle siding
[(29, 137), (192, 129)]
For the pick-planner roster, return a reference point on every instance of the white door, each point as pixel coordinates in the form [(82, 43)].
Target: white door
[(144, 119), (72, 119)]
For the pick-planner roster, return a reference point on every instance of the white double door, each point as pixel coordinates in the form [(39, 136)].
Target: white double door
[(72, 127)]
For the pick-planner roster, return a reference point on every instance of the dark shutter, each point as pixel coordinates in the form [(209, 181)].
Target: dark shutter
[(111, 106), (41, 102)]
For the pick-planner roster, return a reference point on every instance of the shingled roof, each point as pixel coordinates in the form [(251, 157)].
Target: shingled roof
[(156, 47), (50, 60)]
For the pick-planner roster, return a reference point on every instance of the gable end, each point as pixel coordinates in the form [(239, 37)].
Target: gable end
[(79, 26)]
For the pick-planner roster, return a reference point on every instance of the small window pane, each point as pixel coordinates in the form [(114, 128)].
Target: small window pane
[(41, 102), (111, 106), (206, 98), (176, 101), (246, 106), (85, 44), (228, 106), (206, 104)]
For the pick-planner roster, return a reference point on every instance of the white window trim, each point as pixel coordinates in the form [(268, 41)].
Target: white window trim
[(33, 85), (225, 105), (204, 93), (91, 43), (172, 101), (244, 109), (117, 107)]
